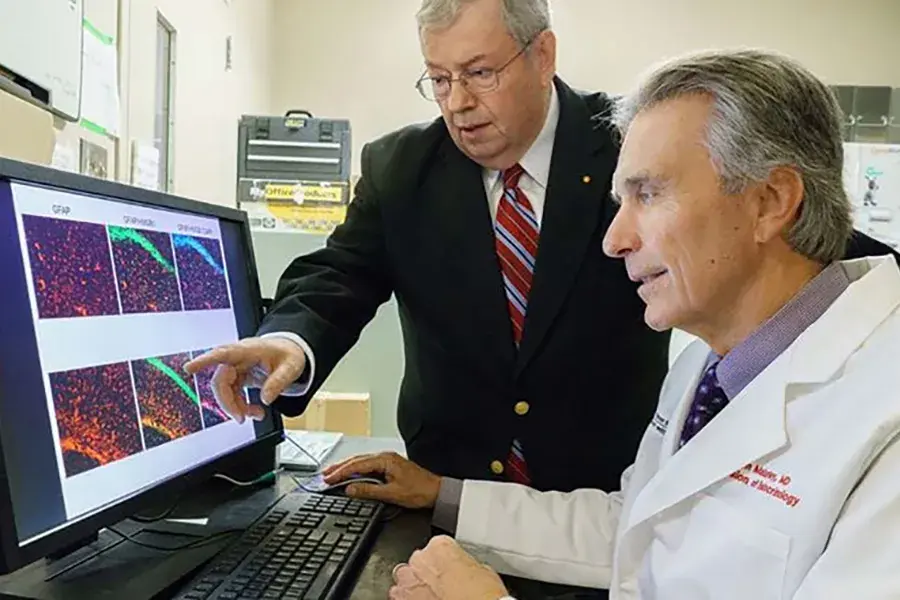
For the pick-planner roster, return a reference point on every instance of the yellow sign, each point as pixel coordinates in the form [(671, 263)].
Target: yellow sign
[(304, 192), (276, 191), (332, 194), (294, 206), (310, 218), (295, 218)]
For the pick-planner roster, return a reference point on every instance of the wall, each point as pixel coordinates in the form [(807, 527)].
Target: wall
[(360, 60), (207, 100), (29, 133)]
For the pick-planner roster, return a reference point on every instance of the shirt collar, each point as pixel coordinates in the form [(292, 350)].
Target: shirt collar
[(751, 357), (536, 161)]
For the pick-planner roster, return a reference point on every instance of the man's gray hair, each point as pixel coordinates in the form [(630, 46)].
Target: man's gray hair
[(768, 111), (524, 19)]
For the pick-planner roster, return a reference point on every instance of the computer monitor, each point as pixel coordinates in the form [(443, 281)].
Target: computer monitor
[(107, 291)]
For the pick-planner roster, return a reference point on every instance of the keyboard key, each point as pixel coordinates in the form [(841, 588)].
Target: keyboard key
[(292, 554), (321, 583)]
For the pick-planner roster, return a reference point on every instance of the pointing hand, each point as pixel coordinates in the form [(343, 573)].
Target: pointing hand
[(278, 362)]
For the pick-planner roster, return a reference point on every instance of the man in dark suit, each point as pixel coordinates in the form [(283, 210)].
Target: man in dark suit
[(525, 349), (527, 357)]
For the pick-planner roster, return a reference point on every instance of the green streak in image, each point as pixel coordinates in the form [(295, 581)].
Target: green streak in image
[(125, 234), (174, 376)]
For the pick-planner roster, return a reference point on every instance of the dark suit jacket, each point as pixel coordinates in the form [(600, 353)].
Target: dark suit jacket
[(419, 227), (862, 245)]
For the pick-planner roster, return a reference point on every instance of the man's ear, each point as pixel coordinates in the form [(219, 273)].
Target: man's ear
[(544, 49), (779, 202)]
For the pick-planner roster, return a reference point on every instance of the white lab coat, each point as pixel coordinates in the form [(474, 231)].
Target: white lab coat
[(792, 491)]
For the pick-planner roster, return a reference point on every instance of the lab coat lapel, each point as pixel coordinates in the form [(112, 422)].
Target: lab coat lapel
[(751, 426)]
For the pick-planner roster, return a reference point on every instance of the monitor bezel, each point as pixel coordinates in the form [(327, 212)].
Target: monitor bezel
[(13, 555)]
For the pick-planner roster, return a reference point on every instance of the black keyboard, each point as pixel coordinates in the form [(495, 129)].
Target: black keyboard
[(307, 546)]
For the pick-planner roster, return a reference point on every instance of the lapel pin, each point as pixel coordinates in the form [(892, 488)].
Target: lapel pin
[(586, 179)]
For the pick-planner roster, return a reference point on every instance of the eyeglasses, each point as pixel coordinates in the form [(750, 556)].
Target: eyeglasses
[(476, 81)]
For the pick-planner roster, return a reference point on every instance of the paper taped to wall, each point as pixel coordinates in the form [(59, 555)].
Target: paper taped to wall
[(99, 82)]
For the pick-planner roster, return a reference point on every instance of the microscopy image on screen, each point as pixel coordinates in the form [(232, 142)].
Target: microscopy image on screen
[(95, 415), (167, 399), (201, 272), (70, 268), (212, 414), (145, 270)]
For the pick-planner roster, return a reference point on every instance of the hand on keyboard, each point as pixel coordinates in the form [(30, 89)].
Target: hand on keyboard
[(444, 571)]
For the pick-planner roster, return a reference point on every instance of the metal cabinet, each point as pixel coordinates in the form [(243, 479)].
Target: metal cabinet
[(894, 118), (871, 113)]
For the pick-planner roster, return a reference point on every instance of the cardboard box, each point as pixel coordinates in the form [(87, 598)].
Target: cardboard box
[(347, 413), (26, 131)]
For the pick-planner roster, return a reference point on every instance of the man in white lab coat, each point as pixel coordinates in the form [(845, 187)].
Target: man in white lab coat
[(772, 468)]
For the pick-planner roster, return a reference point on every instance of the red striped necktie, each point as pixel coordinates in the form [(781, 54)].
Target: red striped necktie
[(516, 241)]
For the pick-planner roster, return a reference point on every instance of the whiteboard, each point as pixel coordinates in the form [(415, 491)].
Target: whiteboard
[(40, 41)]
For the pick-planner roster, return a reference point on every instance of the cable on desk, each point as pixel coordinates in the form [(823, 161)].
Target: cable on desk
[(138, 518), (213, 537), (302, 485), (270, 476)]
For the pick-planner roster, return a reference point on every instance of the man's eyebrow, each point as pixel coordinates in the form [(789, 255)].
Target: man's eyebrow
[(635, 182), (639, 180), (468, 63), (642, 180)]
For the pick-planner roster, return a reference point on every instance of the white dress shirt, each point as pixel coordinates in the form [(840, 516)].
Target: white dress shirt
[(533, 183), (535, 163)]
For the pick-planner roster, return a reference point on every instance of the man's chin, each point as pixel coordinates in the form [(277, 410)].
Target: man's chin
[(485, 152), (656, 321)]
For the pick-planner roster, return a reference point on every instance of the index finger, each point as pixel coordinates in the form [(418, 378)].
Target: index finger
[(363, 465), (231, 354), (332, 468)]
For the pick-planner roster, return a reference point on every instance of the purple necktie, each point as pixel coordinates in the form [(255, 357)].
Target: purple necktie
[(709, 400)]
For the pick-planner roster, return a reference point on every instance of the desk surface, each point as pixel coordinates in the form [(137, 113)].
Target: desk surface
[(411, 530), (138, 569)]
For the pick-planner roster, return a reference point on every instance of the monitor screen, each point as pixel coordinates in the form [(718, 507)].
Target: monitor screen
[(104, 301)]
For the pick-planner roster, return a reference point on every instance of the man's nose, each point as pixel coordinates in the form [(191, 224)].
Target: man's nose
[(460, 98), (622, 237)]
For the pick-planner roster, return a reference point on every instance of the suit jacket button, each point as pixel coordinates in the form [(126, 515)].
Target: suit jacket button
[(497, 467), (522, 408)]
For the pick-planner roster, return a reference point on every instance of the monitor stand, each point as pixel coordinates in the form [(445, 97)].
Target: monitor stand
[(113, 567), (107, 566)]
